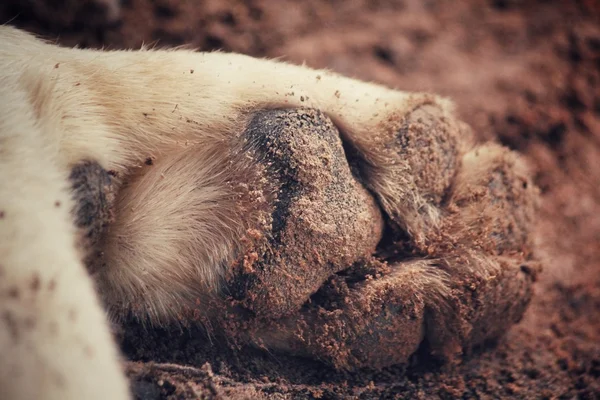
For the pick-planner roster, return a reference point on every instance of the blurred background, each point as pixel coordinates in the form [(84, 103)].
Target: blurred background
[(523, 73)]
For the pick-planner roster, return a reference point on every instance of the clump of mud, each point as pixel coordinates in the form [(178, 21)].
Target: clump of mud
[(323, 219), (93, 194)]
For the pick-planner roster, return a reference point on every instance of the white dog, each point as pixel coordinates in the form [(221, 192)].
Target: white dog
[(154, 173)]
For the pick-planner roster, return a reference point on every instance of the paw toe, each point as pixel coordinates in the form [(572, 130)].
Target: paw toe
[(417, 165), (429, 141), (496, 201), (371, 316)]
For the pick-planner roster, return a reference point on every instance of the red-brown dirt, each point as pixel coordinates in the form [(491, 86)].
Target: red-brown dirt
[(524, 73)]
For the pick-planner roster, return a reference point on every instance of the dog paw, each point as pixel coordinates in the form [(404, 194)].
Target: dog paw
[(291, 236), (455, 267)]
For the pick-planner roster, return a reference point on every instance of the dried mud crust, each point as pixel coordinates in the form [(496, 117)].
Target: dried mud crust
[(93, 194), (522, 72), (323, 219)]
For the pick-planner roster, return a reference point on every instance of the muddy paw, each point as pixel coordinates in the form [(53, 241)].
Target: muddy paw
[(287, 237), (460, 274)]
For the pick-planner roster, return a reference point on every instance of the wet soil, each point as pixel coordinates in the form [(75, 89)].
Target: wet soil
[(523, 73)]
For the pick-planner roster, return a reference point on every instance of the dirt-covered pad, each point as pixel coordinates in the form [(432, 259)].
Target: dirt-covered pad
[(525, 73)]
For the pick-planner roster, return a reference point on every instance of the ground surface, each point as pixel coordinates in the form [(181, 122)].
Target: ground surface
[(526, 73)]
